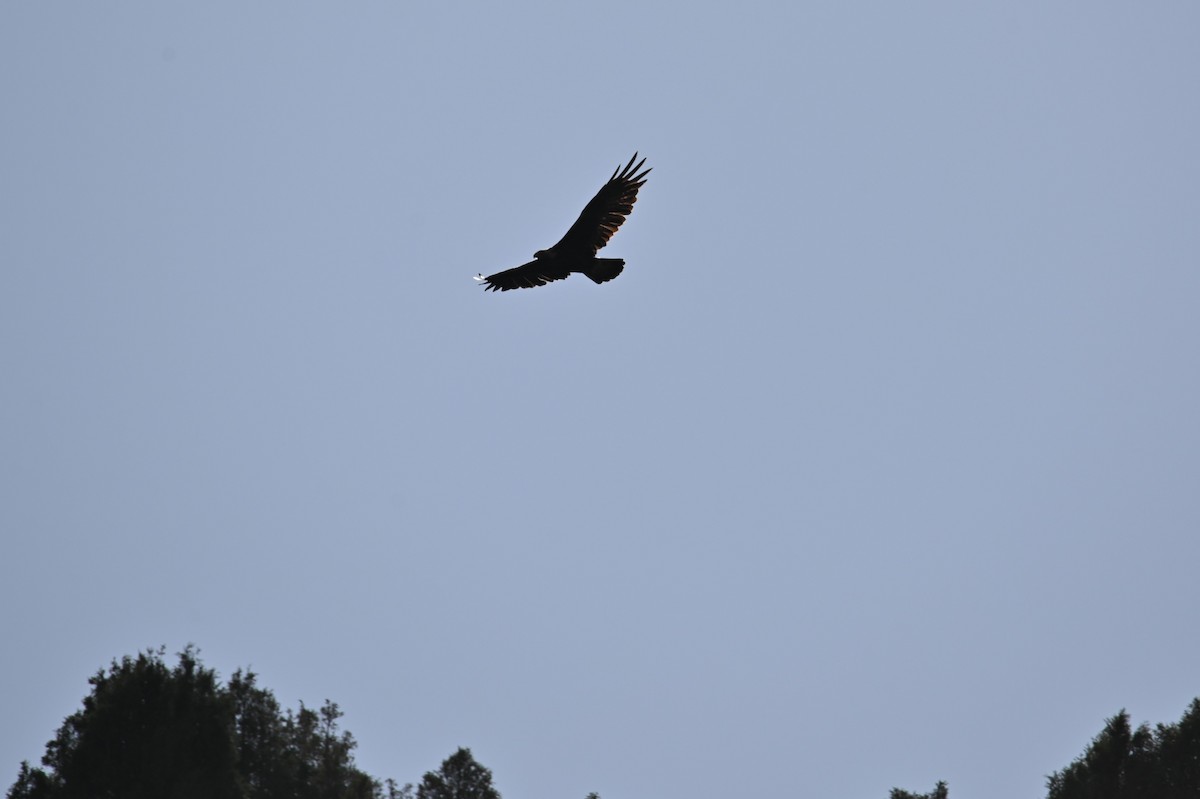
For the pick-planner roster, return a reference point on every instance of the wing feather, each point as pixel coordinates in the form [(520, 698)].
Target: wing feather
[(604, 214), (526, 276)]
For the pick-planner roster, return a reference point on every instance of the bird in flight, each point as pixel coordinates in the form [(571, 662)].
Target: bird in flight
[(576, 251)]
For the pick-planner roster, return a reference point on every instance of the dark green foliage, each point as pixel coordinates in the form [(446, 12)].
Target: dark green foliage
[(1179, 754), (1115, 760), (320, 758), (940, 791), (1126, 763), (460, 777), (147, 731), (32, 783), (144, 731)]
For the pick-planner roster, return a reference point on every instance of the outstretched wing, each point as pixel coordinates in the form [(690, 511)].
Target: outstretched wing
[(538, 272), (604, 214)]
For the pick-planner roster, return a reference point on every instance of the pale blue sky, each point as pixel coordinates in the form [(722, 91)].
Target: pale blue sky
[(880, 464)]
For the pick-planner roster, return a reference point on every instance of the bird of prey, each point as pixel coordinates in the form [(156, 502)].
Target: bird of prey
[(576, 251)]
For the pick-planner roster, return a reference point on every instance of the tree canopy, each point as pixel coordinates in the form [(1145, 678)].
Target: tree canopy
[(149, 731), (1126, 763), (459, 777)]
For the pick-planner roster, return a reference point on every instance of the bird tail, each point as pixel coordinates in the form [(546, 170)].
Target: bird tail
[(603, 270)]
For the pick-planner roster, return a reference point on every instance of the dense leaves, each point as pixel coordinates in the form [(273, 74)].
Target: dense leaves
[(1126, 763), (460, 777), (148, 731)]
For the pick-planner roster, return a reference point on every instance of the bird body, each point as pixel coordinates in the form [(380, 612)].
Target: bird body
[(576, 251)]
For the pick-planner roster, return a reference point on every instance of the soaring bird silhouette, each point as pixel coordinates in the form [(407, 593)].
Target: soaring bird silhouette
[(576, 251)]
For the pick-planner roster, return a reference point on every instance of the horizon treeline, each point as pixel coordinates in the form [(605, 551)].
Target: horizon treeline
[(1124, 763), (150, 731)]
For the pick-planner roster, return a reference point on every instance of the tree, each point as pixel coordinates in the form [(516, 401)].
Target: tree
[(1179, 755), (145, 731), (1108, 767), (1126, 763), (150, 731), (321, 758), (940, 791), (460, 777)]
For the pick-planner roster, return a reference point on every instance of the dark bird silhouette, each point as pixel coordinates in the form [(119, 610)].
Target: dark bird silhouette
[(576, 251)]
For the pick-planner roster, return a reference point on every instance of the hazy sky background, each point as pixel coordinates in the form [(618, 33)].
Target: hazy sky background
[(880, 464)]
